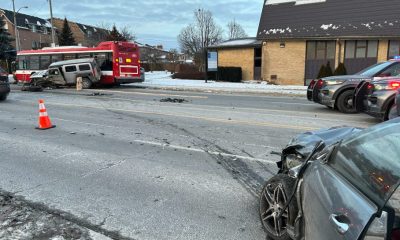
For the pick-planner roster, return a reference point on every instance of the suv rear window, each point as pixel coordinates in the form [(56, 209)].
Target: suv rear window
[(370, 161), (70, 69), (84, 67)]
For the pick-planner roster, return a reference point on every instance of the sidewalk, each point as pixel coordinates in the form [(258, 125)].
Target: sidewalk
[(163, 80)]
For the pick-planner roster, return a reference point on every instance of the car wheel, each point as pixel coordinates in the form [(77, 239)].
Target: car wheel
[(274, 197), (3, 97), (392, 113), (86, 83), (345, 102)]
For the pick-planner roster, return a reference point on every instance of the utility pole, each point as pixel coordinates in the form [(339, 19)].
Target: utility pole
[(52, 27), (15, 29)]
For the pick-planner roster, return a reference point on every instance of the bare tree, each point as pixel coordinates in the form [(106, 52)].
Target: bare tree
[(235, 30), (173, 58), (127, 33), (196, 37)]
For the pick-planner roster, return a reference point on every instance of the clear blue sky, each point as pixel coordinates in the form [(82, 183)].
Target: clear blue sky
[(153, 21)]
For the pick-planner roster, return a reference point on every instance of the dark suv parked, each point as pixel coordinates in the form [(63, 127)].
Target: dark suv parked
[(339, 183), (4, 85), (338, 91)]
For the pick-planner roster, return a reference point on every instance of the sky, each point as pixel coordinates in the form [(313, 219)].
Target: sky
[(153, 21)]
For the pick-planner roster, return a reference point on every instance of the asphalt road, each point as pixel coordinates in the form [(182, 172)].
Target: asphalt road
[(123, 163)]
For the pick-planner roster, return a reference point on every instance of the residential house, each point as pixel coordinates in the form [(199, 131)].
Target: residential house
[(84, 35), (298, 36), (34, 32)]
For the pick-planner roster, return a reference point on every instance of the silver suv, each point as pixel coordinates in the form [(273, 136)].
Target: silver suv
[(66, 73)]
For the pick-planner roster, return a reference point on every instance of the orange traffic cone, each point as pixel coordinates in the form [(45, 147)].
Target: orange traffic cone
[(44, 120)]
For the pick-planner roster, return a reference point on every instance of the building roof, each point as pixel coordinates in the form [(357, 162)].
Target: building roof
[(24, 21), (237, 43), (329, 19), (87, 29)]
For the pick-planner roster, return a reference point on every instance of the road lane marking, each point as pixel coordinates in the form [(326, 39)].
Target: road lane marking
[(267, 112), (150, 94), (252, 123), (165, 145)]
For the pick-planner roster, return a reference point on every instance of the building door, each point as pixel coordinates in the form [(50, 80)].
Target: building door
[(360, 54), (318, 53), (257, 63)]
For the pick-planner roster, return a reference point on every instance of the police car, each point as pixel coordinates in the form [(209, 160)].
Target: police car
[(338, 91)]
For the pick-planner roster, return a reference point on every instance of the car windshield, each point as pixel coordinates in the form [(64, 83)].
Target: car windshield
[(360, 160), (374, 69)]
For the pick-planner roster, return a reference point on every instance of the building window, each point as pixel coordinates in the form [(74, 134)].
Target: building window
[(321, 50), (394, 48), (361, 49)]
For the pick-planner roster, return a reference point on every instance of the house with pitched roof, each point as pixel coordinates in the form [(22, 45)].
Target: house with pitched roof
[(298, 36), (84, 35), (34, 32)]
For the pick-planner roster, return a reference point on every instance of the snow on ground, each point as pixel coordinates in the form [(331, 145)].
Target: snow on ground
[(164, 80)]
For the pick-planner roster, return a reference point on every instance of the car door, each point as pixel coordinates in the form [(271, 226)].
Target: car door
[(70, 72), (333, 209), (341, 195), (360, 96)]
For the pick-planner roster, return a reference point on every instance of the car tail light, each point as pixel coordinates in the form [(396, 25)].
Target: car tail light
[(312, 83), (320, 83), (378, 228), (394, 85)]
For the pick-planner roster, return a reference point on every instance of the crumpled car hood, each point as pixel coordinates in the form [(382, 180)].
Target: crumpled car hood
[(305, 142)]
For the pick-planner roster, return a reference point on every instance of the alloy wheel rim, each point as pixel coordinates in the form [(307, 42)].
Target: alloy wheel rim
[(274, 200), (349, 102)]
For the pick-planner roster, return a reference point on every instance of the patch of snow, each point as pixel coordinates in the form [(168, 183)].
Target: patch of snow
[(238, 42), (164, 80)]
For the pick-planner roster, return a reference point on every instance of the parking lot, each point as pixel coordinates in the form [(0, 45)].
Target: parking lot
[(153, 164)]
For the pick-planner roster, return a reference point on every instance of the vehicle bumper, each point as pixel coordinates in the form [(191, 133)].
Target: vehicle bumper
[(4, 88), (123, 80), (378, 103), (326, 94)]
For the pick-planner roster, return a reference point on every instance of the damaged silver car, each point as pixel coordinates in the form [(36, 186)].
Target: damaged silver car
[(338, 183)]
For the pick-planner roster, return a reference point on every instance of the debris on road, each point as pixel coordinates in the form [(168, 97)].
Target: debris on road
[(97, 94), (173, 100), (19, 221)]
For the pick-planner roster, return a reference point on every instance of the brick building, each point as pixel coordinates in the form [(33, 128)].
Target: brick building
[(298, 36), (84, 35), (244, 53), (34, 32)]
